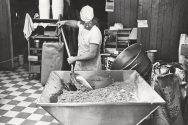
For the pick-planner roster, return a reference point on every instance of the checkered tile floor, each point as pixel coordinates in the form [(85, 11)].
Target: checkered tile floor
[(17, 100)]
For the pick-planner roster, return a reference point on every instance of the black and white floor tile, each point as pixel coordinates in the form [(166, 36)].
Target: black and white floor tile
[(18, 95)]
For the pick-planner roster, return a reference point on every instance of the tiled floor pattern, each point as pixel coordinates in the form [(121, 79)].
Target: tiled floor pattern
[(17, 100)]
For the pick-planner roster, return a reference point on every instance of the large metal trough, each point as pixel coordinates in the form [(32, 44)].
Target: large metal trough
[(129, 113)]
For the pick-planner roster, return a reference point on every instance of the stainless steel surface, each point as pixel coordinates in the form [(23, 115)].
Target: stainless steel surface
[(129, 113)]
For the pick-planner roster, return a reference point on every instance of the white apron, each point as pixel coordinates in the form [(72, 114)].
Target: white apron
[(85, 37)]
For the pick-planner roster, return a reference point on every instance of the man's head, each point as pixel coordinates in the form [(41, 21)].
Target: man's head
[(86, 14), (87, 17)]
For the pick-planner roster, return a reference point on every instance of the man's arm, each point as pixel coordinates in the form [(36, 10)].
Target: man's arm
[(71, 23), (94, 48), (91, 54)]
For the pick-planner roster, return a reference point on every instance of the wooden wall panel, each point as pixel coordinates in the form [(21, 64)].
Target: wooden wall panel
[(186, 19), (167, 28), (154, 23), (133, 13), (176, 30), (159, 29), (125, 12), (145, 14), (6, 47), (166, 20)]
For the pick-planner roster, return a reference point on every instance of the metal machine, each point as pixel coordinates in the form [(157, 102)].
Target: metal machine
[(129, 113)]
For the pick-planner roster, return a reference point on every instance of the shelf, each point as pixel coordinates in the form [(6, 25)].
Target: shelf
[(122, 30), (45, 20), (45, 37), (108, 55), (47, 34), (119, 43), (116, 40), (52, 25), (36, 49)]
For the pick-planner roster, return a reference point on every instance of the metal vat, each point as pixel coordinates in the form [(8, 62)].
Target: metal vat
[(129, 113)]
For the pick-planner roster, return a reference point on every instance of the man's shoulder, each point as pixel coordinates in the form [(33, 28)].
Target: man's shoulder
[(95, 34), (95, 29)]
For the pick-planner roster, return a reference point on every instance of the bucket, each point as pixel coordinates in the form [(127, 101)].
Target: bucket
[(152, 55), (44, 9), (21, 59), (133, 57), (37, 43), (57, 8)]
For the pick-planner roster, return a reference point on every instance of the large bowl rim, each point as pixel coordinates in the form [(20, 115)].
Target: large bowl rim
[(134, 58), (118, 57)]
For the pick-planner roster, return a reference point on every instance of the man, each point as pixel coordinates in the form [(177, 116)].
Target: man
[(89, 41)]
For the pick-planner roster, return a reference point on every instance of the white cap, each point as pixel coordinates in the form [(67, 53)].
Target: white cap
[(86, 13)]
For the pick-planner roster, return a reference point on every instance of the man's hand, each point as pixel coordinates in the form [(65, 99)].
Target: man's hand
[(60, 23), (71, 59)]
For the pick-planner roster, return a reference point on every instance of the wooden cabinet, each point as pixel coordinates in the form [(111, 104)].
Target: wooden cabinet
[(116, 40)]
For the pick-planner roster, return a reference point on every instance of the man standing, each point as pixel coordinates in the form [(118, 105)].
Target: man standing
[(89, 41)]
